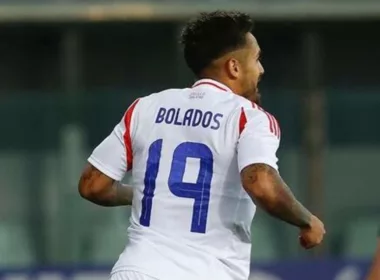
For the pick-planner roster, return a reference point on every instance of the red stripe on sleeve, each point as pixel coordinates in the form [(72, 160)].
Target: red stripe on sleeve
[(127, 134), (277, 131), (242, 121), (272, 120), (278, 128), (271, 124), (275, 128)]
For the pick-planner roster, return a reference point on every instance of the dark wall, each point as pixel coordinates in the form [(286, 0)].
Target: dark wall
[(116, 62), (349, 52), (135, 55)]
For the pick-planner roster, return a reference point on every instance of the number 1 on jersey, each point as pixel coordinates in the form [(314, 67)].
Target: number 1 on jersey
[(199, 191), (152, 166)]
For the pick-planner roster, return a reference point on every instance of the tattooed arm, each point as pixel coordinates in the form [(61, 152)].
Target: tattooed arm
[(259, 139), (102, 190), (265, 185)]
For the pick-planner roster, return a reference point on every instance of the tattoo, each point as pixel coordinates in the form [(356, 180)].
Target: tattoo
[(265, 185), (89, 175), (102, 190)]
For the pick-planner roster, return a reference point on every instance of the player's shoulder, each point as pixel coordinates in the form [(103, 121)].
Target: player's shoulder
[(246, 111), (249, 108)]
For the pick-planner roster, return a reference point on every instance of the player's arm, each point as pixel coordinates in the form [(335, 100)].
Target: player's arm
[(265, 185), (374, 273), (257, 147), (100, 182), (100, 189)]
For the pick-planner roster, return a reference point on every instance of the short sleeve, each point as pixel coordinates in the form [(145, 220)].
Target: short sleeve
[(259, 138), (110, 155), (114, 156)]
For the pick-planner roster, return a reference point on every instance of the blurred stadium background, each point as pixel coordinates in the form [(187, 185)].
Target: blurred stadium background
[(69, 69)]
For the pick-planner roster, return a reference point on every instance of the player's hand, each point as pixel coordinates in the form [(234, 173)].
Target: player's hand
[(313, 235)]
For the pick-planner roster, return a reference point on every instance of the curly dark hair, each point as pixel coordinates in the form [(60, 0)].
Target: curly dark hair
[(212, 35)]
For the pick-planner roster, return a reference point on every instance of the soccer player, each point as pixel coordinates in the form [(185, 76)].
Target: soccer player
[(199, 157), (374, 273)]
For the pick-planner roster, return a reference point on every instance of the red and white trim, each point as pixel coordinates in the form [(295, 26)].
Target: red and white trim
[(212, 83), (127, 134), (273, 123), (242, 121)]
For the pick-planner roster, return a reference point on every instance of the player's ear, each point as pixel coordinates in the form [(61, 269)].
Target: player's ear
[(233, 68)]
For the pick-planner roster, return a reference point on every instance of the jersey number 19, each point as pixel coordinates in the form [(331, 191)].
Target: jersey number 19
[(199, 191)]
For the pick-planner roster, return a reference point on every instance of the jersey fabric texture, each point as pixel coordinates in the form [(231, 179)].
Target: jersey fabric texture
[(191, 217)]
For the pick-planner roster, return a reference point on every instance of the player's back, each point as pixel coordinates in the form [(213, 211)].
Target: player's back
[(190, 217)]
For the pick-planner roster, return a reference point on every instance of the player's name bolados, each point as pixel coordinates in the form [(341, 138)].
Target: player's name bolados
[(191, 117)]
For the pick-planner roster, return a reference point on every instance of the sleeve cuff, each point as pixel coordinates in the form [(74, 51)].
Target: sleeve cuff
[(105, 170)]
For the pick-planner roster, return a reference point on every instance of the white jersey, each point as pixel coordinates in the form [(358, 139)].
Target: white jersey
[(191, 217)]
